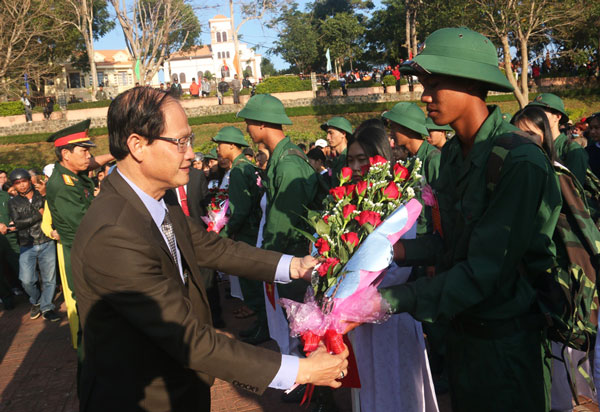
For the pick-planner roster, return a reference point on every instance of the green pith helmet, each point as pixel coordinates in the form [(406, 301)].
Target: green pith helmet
[(431, 126), (265, 108), (339, 123), (408, 115), (230, 134), (460, 52), (553, 102), (212, 154)]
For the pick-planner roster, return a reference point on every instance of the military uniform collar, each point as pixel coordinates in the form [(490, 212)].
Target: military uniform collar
[(281, 146), (63, 170), (424, 150), (483, 139), (240, 159), (560, 143)]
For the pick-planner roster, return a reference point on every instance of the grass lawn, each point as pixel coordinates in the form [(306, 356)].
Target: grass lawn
[(33, 151)]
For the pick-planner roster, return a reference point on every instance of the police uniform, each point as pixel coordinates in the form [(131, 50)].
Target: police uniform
[(496, 352), (69, 196)]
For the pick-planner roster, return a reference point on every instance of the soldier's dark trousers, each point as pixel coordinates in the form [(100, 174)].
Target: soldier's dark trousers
[(510, 373)]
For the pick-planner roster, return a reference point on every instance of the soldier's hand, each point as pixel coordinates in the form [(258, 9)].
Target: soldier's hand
[(322, 368), (301, 268), (54, 235), (3, 228)]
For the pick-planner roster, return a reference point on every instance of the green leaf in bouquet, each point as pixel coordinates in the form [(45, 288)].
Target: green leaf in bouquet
[(331, 281), (368, 228), (343, 253), (313, 216), (306, 234), (322, 228)]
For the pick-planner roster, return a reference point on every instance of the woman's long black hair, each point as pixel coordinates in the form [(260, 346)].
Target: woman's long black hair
[(373, 139), (537, 117)]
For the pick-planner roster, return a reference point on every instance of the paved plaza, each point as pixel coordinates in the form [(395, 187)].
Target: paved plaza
[(38, 369)]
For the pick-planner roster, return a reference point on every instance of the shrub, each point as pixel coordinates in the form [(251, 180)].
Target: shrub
[(11, 108), (335, 84), (279, 84), (88, 105), (362, 83), (389, 80)]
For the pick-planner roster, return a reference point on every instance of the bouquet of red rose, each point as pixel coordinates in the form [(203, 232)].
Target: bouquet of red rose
[(354, 239), (216, 217)]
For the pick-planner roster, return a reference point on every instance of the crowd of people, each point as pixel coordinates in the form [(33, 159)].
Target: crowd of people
[(136, 259)]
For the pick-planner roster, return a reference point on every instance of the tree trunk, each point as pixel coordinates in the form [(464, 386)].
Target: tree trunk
[(524, 66), (88, 37), (407, 23), (413, 31), (509, 72), (236, 53)]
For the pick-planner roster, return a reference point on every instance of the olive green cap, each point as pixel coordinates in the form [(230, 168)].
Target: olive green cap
[(408, 115), (338, 123), (212, 154), (230, 134), (551, 101), (429, 123), (265, 108), (460, 52)]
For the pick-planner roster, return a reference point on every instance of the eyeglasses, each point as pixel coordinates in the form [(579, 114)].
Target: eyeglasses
[(182, 143)]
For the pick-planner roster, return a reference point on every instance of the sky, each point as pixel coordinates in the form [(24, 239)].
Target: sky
[(252, 33)]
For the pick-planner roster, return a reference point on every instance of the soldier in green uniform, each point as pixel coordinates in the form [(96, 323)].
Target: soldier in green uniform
[(9, 259), (339, 131), (570, 153), (244, 219), (407, 129), (496, 348), (291, 183), (69, 193), (437, 134)]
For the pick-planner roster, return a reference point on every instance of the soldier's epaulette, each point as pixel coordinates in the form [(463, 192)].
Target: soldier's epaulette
[(68, 180)]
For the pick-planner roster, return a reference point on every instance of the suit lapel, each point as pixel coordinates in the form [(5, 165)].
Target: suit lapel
[(122, 187)]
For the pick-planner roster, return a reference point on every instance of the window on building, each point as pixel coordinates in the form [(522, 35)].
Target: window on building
[(224, 36), (218, 37), (174, 77), (74, 81), (227, 54), (182, 77), (218, 55), (122, 78), (200, 76), (100, 76)]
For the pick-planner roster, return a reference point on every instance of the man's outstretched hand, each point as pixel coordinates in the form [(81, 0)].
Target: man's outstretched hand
[(301, 268)]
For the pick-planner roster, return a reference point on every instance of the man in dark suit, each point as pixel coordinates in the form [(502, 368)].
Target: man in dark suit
[(147, 334)]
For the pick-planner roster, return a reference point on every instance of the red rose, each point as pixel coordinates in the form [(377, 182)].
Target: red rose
[(347, 210), (391, 191), (350, 238), (364, 169), (400, 171), (361, 188), (346, 174), (367, 216), (350, 190), (338, 192), (326, 218), (377, 160), (329, 262), (322, 246)]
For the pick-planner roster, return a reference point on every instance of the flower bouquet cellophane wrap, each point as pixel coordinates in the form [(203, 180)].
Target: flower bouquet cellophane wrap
[(354, 238)]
